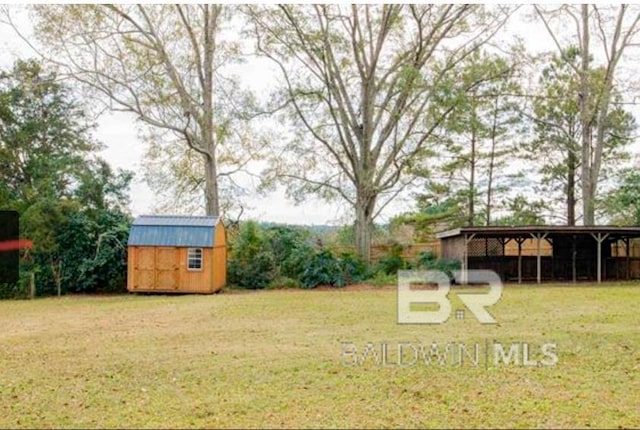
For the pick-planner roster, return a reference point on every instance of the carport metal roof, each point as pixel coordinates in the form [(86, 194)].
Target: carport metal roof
[(528, 230)]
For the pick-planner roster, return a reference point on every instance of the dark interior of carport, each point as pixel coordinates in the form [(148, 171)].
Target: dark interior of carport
[(560, 253)]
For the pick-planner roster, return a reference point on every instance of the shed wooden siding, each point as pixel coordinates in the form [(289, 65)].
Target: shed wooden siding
[(219, 259), (158, 255), (164, 269)]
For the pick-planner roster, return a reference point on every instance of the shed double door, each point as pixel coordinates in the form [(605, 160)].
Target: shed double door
[(158, 268)]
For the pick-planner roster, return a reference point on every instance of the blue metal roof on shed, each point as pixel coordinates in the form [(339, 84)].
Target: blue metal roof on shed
[(181, 231)]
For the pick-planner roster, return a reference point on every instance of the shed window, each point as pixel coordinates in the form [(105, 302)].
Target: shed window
[(194, 259)]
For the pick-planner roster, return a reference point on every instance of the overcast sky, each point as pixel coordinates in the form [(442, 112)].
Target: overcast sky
[(117, 131)]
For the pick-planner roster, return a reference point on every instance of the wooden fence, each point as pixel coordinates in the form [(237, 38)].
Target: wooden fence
[(409, 252)]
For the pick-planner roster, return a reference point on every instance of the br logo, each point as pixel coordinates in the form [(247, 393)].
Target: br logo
[(476, 303)]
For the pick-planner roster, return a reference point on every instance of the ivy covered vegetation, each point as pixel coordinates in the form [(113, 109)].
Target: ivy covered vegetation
[(291, 257), (366, 107), (71, 203), (73, 206)]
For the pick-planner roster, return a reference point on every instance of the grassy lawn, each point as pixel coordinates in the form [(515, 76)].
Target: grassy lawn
[(273, 359)]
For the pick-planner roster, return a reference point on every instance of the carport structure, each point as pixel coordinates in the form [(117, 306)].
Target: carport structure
[(554, 253)]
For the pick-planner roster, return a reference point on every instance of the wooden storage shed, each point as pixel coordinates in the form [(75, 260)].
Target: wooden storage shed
[(177, 254)]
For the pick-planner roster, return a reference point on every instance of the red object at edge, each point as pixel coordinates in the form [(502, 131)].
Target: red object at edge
[(12, 245)]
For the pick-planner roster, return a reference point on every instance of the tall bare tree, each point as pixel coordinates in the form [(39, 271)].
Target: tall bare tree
[(557, 133), (368, 87), (156, 61), (614, 29)]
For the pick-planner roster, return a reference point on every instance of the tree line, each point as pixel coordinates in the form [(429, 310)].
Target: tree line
[(378, 100), (72, 204)]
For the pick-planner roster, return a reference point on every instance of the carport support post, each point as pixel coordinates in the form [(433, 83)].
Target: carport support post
[(599, 237), (539, 237), (465, 258), (519, 241), (573, 258), (627, 243)]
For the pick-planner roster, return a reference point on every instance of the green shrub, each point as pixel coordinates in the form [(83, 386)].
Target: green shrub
[(323, 268), (393, 261), (345, 235), (428, 261), (448, 266), (19, 290), (287, 256), (251, 263), (353, 268), (382, 279), (291, 248), (104, 267)]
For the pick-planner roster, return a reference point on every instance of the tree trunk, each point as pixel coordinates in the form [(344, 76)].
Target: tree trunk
[(472, 180), (588, 210), (363, 226), (212, 201), (212, 204), (490, 186), (56, 271), (601, 110), (588, 195), (492, 158), (571, 187)]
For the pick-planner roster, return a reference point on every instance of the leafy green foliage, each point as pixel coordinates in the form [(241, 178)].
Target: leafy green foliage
[(279, 256), (251, 263), (623, 204), (19, 290), (393, 261), (345, 235), (523, 211), (71, 204), (430, 214), (90, 254), (43, 135), (463, 187), (557, 132), (291, 248), (428, 261), (353, 268), (104, 268), (323, 269), (381, 279), (425, 259)]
